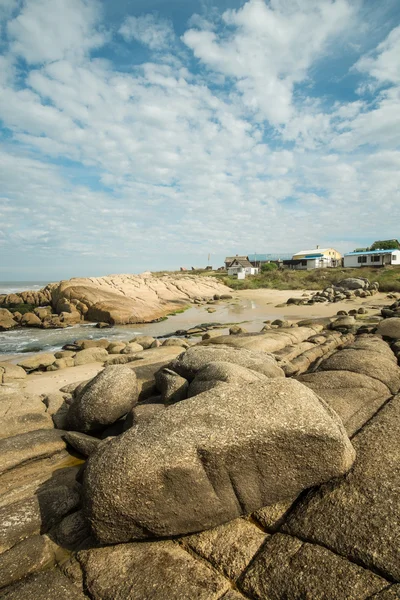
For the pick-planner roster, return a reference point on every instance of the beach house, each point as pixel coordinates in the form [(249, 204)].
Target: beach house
[(372, 258), (316, 258)]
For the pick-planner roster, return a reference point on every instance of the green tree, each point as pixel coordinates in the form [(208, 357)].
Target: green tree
[(268, 267), (385, 245)]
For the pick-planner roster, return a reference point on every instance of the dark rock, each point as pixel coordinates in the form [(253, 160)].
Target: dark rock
[(32, 445), (29, 556), (172, 386), (84, 444)]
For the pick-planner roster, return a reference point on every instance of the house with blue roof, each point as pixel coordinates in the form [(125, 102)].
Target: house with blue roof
[(317, 258), (372, 258)]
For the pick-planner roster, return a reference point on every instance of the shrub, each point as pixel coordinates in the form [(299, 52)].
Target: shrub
[(268, 267)]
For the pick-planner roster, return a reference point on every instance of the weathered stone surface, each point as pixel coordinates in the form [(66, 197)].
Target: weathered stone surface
[(20, 413), (390, 328), (29, 556), (176, 342), (31, 320), (288, 568), (6, 320), (145, 341), (11, 373), (32, 445), (39, 361), (117, 347), (365, 362), (85, 344), (359, 515), (50, 585), (188, 364), (271, 341), (354, 283), (172, 386), (391, 593), (355, 397), (230, 547), (132, 348), (175, 475), (90, 355), (143, 412), (84, 444), (158, 570), (212, 374), (106, 398), (271, 517), (36, 514), (72, 530)]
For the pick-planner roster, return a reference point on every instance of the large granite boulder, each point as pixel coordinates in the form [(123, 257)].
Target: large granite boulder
[(6, 320), (106, 398), (50, 585), (220, 372), (90, 355), (20, 413), (354, 283), (212, 458), (190, 362)]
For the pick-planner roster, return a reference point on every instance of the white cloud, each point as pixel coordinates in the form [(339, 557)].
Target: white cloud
[(48, 30), (269, 48), (384, 63), (152, 31), (168, 162)]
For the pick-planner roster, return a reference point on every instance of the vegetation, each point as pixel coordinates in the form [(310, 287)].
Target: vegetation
[(268, 267), (385, 245), (21, 308), (317, 279)]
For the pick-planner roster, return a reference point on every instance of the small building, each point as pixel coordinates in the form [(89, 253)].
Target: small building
[(318, 258), (258, 260), (372, 258), (229, 260), (241, 267)]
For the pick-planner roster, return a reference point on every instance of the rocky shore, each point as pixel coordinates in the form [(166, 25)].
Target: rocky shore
[(251, 465), (112, 300)]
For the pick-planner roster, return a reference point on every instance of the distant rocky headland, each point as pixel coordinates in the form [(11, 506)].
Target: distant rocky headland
[(114, 300)]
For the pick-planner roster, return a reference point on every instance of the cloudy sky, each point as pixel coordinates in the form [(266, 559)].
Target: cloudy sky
[(147, 134)]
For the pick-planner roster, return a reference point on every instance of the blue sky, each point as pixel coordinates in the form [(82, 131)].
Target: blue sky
[(146, 134)]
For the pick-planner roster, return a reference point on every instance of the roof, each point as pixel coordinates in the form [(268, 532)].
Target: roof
[(230, 259), (243, 262), (265, 257), (311, 256), (312, 252), (372, 252)]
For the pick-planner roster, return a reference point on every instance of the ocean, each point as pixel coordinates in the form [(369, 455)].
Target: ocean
[(13, 287)]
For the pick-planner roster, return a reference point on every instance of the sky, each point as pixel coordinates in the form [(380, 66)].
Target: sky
[(149, 134)]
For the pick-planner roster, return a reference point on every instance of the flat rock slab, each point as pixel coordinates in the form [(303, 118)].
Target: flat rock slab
[(51, 585), (84, 444), (287, 568), (212, 458), (272, 341), (10, 373), (148, 571), (36, 514), (20, 413), (34, 554), (359, 515), (39, 361), (196, 358), (365, 362), (230, 547), (355, 397), (32, 445)]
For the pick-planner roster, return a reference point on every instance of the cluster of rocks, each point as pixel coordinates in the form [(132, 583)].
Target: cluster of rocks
[(346, 289), (210, 473), (88, 351), (112, 300)]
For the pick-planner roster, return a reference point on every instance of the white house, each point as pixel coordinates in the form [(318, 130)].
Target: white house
[(241, 267), (318, 258), (372, 258)]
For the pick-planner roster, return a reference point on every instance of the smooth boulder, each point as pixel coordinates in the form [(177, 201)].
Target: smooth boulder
[(212, 458), (102, 401), (189, 363), (220, 372), (390, 328)]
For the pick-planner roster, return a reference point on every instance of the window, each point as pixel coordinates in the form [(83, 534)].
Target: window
[(362, 259), (303, 263), (375, 258), (394, 257)]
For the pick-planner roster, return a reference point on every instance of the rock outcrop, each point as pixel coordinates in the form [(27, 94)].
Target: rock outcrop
[(274, 440)]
